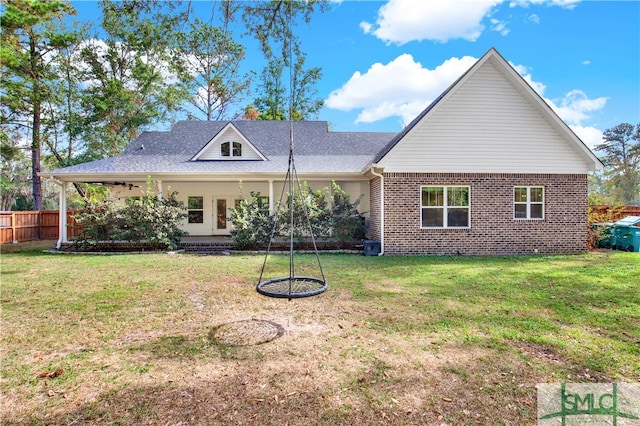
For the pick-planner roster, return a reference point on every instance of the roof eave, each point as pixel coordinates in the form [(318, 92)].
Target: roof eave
[(198, 176)]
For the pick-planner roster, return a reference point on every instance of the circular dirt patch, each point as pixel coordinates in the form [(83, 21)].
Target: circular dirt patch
[(246, 332)]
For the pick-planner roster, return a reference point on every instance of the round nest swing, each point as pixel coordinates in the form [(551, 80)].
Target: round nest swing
[(292, 287)]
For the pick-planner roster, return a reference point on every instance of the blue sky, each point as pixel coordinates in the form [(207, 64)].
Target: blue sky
[(384, 61)]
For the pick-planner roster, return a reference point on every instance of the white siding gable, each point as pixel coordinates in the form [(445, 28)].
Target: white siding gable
[(490, 121), (213, 149)]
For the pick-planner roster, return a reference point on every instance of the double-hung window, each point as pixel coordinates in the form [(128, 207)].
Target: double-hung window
[(195, 209), (445, 207), (528, 202)]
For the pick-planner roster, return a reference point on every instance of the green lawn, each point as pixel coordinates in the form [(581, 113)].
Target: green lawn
[(395, 340)]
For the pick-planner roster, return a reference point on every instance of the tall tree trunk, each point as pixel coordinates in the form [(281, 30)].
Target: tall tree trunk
[(35, 159), (35, 137)]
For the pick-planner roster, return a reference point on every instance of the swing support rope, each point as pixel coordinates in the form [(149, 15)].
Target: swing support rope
[(292, 286)]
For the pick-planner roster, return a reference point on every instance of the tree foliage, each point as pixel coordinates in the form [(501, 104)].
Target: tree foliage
[(310, 214), (132, 73), (272, 23), (15, 176), (79, 92), (621, 148), (272, 104), (347, 223), (28, 38), (211, 65), (63, 110)]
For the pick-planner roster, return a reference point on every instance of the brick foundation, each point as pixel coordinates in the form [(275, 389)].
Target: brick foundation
[(493, 230)]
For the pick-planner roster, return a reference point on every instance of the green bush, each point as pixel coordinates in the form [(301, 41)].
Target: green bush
[(98, 221), (338, 221), (347, 224), (252, 223), (147, 219), (311, 212)]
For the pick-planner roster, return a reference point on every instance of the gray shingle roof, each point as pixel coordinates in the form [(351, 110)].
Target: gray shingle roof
[(316, 150)]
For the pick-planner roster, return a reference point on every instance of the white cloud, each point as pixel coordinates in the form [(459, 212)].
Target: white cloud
[(575, 106), (567, 4), (402, 21), (524, 72), (586, 62), (366, 27), (402, 88), (591, 136), (499, 26)]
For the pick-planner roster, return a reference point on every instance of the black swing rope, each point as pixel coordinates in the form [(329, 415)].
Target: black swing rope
[(292, 286)]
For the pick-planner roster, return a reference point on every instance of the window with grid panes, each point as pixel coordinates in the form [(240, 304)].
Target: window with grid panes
[(195, 209), (528, 202), (445, 207)]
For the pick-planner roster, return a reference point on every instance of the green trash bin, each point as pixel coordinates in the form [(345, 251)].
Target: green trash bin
[(625, 234), (634, 235)]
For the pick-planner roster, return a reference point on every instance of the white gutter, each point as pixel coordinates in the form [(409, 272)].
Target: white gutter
[(373, 172)]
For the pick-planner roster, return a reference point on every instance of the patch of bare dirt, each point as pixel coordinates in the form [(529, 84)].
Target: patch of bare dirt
[(245, 333)]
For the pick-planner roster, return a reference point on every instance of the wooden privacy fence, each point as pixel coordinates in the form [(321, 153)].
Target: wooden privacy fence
[(34, 225), (617, 212)]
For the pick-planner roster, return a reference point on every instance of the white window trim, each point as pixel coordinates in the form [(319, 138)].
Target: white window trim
[(528, 203), (445, 208)]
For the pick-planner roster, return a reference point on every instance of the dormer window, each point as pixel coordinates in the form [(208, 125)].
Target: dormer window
[(228, 145), (231, 149)]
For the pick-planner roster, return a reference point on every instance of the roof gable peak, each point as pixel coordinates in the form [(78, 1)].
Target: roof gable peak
[(229, 144), (500, 65)]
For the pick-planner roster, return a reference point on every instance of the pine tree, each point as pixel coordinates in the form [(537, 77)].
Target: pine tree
[(28, 39)]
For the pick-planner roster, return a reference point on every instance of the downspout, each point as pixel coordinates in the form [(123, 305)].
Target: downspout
[(373, 172), (62, 213)]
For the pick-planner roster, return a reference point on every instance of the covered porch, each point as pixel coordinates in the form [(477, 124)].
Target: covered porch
[(209, 202)]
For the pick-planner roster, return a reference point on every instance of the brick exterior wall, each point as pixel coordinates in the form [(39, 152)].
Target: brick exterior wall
[(493, 230)]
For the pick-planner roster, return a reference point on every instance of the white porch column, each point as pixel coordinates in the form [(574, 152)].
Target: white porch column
[(62, 213), (271, 203), (160, 190)]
